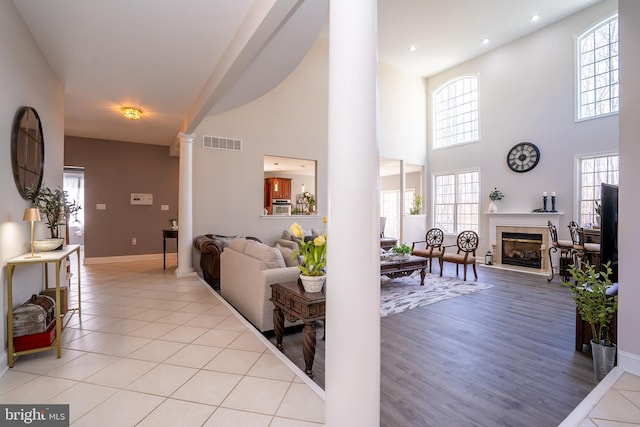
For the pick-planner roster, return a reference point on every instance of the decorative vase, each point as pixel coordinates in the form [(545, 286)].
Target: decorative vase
[(312, 283), (493, 208), (604, 357)]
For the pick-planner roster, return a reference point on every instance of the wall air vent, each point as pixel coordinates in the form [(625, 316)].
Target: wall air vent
[(219, 143)]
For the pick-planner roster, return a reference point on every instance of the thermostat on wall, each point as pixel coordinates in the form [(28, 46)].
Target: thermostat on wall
[(141, 199)]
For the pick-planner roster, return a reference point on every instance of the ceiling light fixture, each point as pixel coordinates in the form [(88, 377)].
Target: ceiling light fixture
[(485, 41), (535, 17), (132, 113), (412, 48)]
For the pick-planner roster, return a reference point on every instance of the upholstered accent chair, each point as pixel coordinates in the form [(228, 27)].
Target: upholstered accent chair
[(432, 246), (467, 244), (565, 250)]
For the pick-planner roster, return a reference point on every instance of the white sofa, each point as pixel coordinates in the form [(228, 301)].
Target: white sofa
[(247, 271)]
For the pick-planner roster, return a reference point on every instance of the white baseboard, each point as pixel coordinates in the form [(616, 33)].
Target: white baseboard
[(125, 258), (629, 362)]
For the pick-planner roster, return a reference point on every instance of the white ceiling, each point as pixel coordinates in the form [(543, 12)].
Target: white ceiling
[(182, 60)]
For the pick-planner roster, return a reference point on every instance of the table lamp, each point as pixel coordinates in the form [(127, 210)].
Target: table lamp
[(32, 215)]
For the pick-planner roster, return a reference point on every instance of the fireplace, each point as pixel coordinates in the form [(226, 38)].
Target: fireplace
[(523, 222), (522, 249)]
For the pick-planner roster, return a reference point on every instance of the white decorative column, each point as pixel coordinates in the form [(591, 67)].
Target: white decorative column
[(185, 206), (352, 364)]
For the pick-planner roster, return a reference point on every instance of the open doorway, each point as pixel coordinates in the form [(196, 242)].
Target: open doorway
[(73, 184)]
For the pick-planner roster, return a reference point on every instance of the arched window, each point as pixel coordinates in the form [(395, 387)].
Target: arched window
[(597, 70), (456, 113)]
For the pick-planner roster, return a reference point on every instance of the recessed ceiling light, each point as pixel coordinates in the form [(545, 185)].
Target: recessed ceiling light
[(535, 17), (485, 41), (412, 48)]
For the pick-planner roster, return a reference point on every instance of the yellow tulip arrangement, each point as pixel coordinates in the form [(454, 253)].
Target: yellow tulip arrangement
[(313, 252)]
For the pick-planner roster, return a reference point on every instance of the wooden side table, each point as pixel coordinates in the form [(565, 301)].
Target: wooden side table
[(167, 234), (291, 301)]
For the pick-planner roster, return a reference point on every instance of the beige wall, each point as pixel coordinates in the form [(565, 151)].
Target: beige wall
[(112, 171), (25, 79)]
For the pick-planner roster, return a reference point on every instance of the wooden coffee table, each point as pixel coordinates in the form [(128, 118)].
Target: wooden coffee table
[(291, 301), (399, 266)]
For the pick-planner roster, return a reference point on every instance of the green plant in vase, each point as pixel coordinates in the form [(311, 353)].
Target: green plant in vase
[(417, 206), (403, 249), (55, 206)]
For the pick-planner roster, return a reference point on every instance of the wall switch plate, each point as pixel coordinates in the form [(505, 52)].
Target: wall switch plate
[(133, 241), (164, 207), (101, 207)]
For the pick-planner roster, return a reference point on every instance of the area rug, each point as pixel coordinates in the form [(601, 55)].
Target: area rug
[(405, 293)]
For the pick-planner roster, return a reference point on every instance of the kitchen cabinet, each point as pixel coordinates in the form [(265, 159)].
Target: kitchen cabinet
[(278, 188)]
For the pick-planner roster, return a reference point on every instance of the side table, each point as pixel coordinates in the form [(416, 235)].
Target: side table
[(167, 234), (291, 301), (55, 257)]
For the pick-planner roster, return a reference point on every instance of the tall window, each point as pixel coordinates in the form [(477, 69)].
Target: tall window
[(455, 107), (457, 201), (597, 73), (594, 171)]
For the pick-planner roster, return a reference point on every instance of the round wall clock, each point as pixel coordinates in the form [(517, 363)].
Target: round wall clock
[(27, 151), (523, 157)]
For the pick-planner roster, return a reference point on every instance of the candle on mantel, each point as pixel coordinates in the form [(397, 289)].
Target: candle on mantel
[(544, 194)]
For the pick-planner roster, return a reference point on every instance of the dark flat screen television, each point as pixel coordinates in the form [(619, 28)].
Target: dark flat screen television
[(609, 227)]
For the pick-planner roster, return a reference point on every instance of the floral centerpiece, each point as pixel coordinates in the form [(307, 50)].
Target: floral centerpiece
[(312, 255)]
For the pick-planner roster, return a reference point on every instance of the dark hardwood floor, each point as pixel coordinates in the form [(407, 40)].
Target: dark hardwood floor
[(499, 357)]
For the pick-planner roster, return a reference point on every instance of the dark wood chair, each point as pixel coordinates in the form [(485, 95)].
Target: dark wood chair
[(467, 244), (583, 250), (433, 246), (565, 250)]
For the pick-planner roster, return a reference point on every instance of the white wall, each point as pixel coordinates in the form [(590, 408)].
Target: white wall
[(25, 80), (527, 94), (292, 121), (629, 204)]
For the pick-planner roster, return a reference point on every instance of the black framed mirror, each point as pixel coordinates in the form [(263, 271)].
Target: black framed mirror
[(27, 151)]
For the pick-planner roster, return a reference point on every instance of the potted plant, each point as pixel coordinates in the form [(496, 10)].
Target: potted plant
[(55, 206), (312, 256), (402, 250), (597, 308), (417, 206), (494, 195)]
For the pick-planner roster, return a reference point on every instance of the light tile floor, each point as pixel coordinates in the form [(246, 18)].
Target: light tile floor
[(154, 350), (620, 405)]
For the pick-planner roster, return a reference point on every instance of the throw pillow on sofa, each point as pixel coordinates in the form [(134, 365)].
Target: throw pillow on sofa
[(271, 257), (287, 254)]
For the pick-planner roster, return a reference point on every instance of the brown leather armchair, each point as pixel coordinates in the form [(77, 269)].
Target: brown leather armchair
[(210, 247)]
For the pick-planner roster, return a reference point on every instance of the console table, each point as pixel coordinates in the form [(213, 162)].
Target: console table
[(55, 257), (167, 234), (291, 301)]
